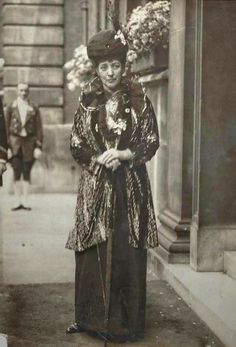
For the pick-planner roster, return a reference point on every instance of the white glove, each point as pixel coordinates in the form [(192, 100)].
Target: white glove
[(115, 164), (3, 168), (37, 153), (9, 154)]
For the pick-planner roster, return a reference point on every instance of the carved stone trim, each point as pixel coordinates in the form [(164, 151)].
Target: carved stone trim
[(174, 238)]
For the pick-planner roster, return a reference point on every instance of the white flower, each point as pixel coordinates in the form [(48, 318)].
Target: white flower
[(147, 25), (71, 86), (117, 126), (69, 64), (80, 51), (80, 68), (145, 39), (111, 106), (70, 75), (131, 56)]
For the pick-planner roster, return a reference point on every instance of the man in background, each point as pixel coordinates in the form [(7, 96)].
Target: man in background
[(25, 135)]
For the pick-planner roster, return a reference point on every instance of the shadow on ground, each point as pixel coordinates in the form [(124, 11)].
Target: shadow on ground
[(37, 316)]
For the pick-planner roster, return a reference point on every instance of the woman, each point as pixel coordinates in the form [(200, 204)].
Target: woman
[(114, 134)]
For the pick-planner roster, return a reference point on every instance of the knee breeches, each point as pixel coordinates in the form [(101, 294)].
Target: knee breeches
[(21, 167)]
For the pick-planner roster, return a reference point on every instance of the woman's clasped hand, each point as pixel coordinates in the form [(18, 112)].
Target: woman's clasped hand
[(112, 158)]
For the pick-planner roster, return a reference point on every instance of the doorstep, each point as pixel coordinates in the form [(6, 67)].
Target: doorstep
[(212, 295), (3, 340)]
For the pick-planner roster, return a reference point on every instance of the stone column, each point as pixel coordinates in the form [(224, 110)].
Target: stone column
[(214, 223), (156, 87), (175, 218), (92, 17), (74, 36), (1, 51), (123, 10), (33, 49)]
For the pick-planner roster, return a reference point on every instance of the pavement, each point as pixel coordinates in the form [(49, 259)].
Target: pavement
[(37, 289)]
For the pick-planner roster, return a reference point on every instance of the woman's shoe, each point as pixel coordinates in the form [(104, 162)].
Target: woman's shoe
[(101, 336), (136, 337), (74, 328), (111, 337)]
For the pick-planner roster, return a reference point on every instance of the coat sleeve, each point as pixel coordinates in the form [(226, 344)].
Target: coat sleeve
[(81, 150), (146, 140), (39, 129)]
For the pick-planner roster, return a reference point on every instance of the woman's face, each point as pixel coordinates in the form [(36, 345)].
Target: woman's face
[(110, 73)]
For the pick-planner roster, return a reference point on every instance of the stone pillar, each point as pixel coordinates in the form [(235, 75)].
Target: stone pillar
[(156, 87), (1, 50), (214, 223), (175, 218), (73, 37), (33, 50), (123, 10), (93, 17)]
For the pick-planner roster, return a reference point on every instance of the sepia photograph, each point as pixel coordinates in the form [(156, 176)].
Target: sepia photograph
[(118, 173)]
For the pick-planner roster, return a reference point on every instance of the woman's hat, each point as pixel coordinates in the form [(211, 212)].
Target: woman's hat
[(107, 43)]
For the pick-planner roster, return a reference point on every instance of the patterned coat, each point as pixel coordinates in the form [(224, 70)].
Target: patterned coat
[(33, 128), (95, 207), (3, 137)]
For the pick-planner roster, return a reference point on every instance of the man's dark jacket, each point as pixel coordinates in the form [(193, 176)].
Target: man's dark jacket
[(33, 128)]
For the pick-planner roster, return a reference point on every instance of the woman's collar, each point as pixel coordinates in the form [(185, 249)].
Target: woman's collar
[(93, 95)]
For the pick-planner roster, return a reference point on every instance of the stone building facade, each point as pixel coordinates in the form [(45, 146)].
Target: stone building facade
[(37, 37), (193, 174)]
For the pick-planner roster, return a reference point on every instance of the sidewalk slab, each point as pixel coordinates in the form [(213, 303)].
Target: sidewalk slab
[(37, 306), (33, 242), (212, 295), (3, 340), (230, 264)]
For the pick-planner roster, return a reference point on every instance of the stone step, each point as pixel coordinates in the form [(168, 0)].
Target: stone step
[(212, 295), (3, 340), (230, 264)]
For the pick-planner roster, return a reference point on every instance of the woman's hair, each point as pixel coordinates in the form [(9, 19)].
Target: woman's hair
[(99, 60)]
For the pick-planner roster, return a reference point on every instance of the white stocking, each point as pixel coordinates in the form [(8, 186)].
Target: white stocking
[(17, 192), (25, 185)]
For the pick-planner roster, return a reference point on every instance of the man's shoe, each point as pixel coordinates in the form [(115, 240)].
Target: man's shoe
[(17, 208), (26, 208)]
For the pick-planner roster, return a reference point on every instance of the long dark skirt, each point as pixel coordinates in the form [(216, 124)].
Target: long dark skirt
[(110, 292)]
